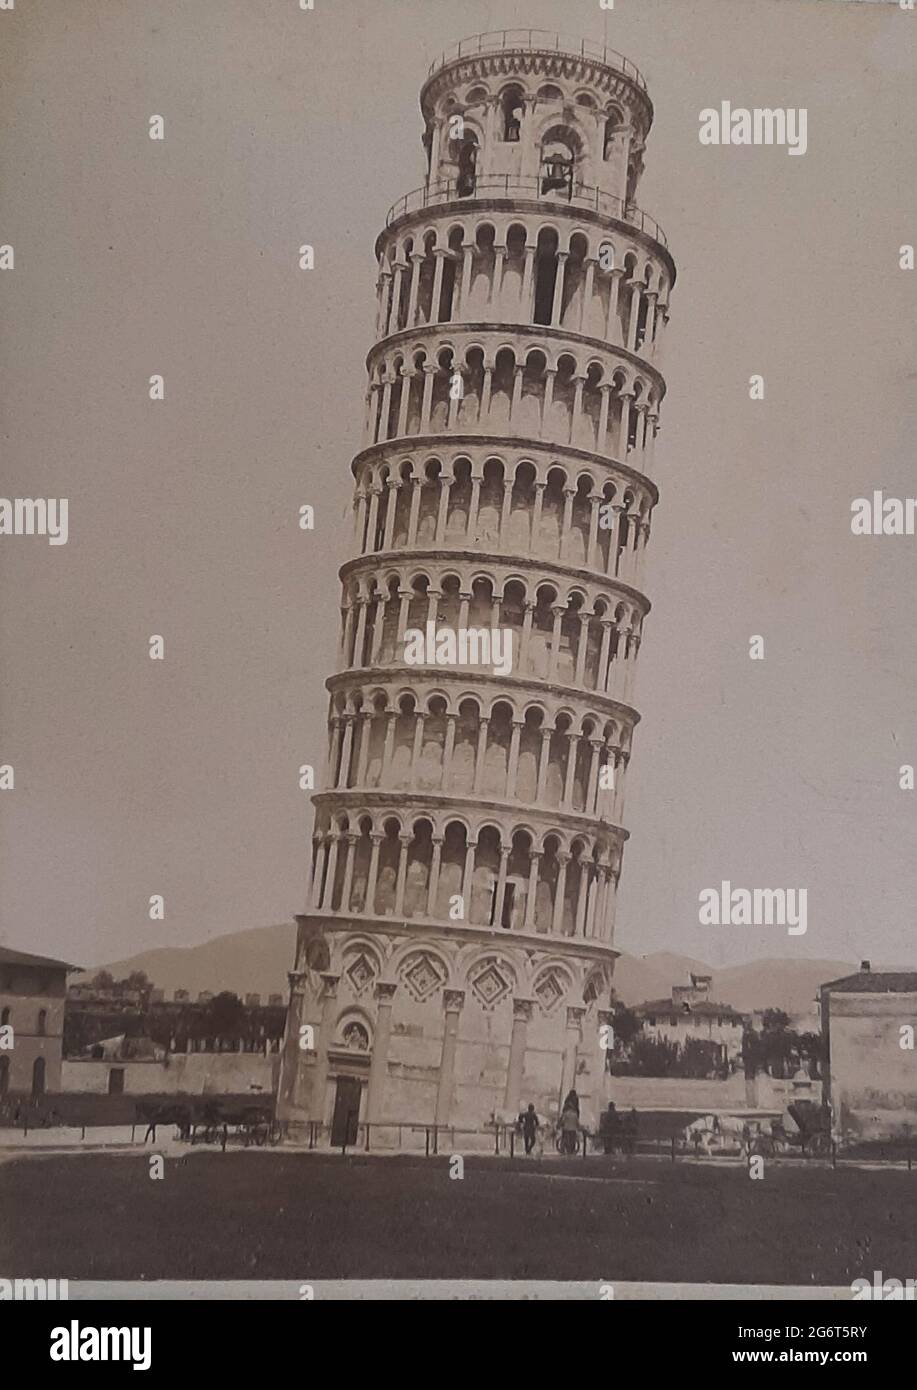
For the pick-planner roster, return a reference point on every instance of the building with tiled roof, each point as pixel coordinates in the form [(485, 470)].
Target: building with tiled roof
[(688, 1013), (33, 992), (869, 1023)]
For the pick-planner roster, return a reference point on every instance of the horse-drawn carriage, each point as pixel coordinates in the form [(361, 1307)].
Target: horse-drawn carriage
[(211, 1121), (808, 1134)]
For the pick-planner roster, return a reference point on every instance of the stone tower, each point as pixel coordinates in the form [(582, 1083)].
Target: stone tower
[(456, 960)]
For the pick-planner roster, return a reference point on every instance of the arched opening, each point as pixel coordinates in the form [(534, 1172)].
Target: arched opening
[(514, 274), (496, 756), (530, 743), (485, 878), (558, 158), (613, 124), (511, 105), (38, 1077), (425, 304), (450, 268), (430, 771), (361, 858), (417, 880), (467, 159), (387, 879), (465, 750), (428, 512), (522, 502), (459, 501), (451, 870), (501, 394), (490, 505), (527, 419), (545, 274), (572, 306)]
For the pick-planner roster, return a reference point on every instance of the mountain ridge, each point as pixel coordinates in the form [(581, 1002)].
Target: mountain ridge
[(256, 961)]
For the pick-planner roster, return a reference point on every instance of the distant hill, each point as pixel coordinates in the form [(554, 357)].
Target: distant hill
[(788, 984), (256, 961), (247, 962)]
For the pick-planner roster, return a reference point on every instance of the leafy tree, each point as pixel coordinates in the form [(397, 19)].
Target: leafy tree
[(813, 1052), (225, 1016), (752, 1053), (626, 1024)]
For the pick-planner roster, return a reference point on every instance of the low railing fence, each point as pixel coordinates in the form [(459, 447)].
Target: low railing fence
[(530, 187)]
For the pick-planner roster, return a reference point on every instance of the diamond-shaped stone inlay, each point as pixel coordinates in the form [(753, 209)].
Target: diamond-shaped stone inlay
[(422, 977), (549, 992), (490, 986), (360, 973)]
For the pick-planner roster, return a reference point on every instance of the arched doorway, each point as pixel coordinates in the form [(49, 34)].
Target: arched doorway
[(38, 1077)]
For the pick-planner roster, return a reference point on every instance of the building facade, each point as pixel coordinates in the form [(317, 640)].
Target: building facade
[(690, 1015), (869, 1024), (457, 957), (33, 991)]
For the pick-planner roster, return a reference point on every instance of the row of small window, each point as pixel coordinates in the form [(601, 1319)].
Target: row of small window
[(6, 1018)]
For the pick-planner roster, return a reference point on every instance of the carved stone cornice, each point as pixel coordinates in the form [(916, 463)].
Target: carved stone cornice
[(520, 62)]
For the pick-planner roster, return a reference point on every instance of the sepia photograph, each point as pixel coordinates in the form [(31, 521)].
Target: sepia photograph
[(458, 831)]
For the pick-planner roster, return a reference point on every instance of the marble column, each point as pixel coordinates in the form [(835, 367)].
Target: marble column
[(522, 1014), (453, 1000), (318, 1107), (378, 1068), (571, 1045)]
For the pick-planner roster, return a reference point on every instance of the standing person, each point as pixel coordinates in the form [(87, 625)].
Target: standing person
[(569, 1125), (609, 1128), (572, 1102), (529, 1128)]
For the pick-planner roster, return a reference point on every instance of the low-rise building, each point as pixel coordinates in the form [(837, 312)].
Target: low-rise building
[(33, 992), (869, 1022), (689, 1014)]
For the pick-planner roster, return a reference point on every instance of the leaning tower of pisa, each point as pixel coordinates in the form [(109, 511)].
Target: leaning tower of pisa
[(456, 960)]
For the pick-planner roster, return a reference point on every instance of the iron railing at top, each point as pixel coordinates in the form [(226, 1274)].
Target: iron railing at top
[(543, 40), (514, 186)]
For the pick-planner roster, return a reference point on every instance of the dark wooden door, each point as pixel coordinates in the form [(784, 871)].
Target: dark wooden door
[(346, 1114)]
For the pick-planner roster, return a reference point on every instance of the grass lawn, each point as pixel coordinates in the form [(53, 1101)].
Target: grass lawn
[(257, 1215)]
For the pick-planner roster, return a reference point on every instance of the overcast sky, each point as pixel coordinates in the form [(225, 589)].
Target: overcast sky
[(179, 777)]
